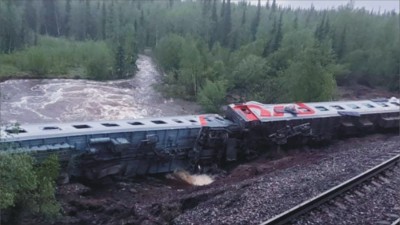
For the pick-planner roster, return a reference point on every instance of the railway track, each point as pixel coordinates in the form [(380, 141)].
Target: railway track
[(310, 206)]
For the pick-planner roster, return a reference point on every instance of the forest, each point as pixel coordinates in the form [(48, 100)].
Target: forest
[(209, 50)]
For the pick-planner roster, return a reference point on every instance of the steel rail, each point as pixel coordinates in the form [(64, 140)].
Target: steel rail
[(397, 222), (320, 199)]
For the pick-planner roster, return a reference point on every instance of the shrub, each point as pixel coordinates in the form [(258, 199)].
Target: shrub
[(28, 187), (98, 65), (212, 95)]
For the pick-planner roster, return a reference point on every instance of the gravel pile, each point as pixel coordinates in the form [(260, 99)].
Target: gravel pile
[(260, 198)]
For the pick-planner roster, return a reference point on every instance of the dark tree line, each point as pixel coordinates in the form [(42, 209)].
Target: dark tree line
[(225, 40)]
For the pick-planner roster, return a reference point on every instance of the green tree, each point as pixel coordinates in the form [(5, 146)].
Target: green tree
[(98, 67), (248, 74), (212, 95), (226, 24), (67, 18), (120, 62), (191, 67), (27, 187), (256, 21), (50, 21), (168, 52), (312, 77), (214, 25)]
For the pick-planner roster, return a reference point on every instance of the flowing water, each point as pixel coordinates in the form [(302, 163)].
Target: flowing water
[(62, 100)]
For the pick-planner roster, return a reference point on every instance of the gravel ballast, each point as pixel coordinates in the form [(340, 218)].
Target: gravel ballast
[(250, 193)]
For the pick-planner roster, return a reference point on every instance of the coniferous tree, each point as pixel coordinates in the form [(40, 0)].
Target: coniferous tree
[(90, 28), (104, 20), (30, 15), (120, 62), (67, 18), (296, 22), (8, 28), (226, 24), (223, 9), (50, 20), (214, 25), (274, 43), (256, 21), (273, 6), (243, 20), (110, 23), (341, 46)]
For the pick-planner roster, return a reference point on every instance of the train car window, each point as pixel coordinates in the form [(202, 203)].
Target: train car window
[(193, 121), (353, 106), (382, 104), (81, 126), (177, 121), (338, 107), (158, 122), (51, 128), (110, 124), (219, 118), (395, 103), (321, 108), (369, 105), (135, 123), (15, 130)]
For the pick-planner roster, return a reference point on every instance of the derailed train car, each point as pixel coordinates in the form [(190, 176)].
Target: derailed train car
[(157, 145)]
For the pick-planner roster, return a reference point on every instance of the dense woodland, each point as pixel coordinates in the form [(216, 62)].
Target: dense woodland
[(208, 49)]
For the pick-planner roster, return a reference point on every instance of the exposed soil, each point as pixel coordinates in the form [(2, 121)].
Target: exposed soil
[(357, 91)]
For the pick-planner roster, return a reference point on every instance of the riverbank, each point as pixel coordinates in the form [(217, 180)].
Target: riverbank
[(66, 100)]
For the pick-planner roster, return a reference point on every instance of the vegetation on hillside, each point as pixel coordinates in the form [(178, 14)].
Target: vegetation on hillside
[(206, 47)]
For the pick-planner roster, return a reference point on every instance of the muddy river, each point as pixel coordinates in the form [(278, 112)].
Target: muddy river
[(53, 100)]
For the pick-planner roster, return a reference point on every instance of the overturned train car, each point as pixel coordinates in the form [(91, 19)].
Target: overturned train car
[(157, 145)]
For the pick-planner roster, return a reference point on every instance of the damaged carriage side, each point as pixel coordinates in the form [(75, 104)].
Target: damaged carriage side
[(157, 145)]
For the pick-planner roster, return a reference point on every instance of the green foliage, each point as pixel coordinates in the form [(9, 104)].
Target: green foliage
[(312, 78), (248, 73), (27, 187), (17, 176), (212, 95), (168, 52), (36, 61), (99, 64), (56, 56)]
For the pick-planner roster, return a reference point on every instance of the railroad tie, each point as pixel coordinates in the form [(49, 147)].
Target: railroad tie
[(349, 199), (359, 194), (376, 184), (340, 205)]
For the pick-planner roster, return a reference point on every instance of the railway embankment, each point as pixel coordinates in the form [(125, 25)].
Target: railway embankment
[(249, 194)]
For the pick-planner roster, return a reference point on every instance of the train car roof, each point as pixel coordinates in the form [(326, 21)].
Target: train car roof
[(251, 111), (49, 130)]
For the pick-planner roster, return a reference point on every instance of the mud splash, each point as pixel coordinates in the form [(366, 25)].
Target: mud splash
[(192, 179)]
